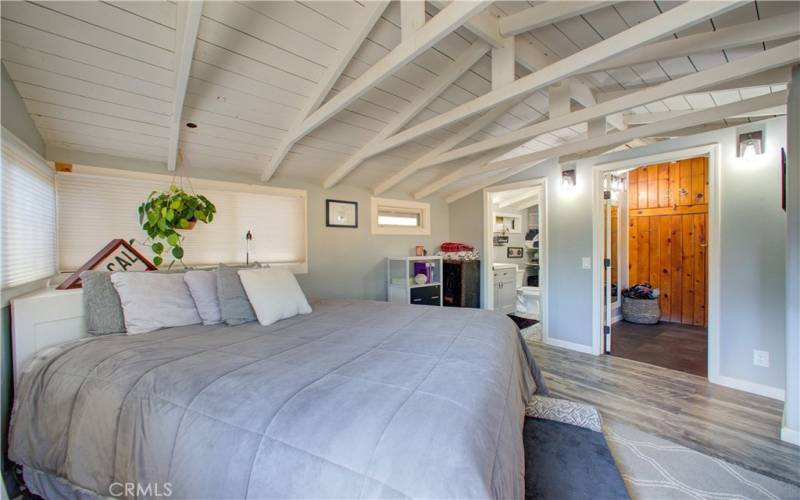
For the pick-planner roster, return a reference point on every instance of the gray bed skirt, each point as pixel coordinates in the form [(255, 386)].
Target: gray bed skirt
[(53, 487)]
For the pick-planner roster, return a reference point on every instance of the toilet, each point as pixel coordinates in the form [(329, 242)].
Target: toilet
[(527, 296)]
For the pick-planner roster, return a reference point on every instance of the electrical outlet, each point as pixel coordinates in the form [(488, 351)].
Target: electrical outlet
[(586, 262), (761, 358)]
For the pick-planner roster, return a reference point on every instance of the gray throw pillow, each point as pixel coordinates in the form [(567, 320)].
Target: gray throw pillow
[(203, 286), (233, 302), (101, 304)]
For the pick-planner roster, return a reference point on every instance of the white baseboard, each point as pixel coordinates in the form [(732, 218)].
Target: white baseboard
[(569, 345), (751, 387), (790, 436)]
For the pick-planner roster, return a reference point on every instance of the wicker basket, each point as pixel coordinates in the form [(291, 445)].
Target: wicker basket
[(642, 311)]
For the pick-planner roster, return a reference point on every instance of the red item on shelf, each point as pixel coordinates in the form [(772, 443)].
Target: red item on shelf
[(448, 246)]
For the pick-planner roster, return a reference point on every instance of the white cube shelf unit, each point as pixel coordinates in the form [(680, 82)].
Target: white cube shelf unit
[(402, 288)]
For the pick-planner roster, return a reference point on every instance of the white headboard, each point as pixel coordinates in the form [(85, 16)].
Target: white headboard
[(43, 319)]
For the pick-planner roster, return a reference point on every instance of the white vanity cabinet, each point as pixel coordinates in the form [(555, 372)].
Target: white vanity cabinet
[(505, 290)]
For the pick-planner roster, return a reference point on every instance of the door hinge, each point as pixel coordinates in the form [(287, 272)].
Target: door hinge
[(607, 263), (606, 195), (606, 329)]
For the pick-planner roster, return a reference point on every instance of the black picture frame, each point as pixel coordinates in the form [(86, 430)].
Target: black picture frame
[(329, 204), (514, 252)]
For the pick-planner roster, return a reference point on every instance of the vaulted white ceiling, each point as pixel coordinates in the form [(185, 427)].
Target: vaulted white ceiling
[(101, 80)]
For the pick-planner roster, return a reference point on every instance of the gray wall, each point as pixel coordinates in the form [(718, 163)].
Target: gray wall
[(466, 226), (15, 116), (791, 412), (753, 229), (351, 263)]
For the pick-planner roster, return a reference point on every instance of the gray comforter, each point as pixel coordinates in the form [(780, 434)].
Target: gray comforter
[(358, 399)]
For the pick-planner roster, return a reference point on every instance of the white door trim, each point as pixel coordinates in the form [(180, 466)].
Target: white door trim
[(487, 301), (712, 151)]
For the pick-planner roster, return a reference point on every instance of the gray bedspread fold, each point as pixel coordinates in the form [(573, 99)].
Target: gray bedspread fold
[(358, 399)]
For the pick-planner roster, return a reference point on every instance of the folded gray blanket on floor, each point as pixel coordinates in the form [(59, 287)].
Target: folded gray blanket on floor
[(356, 400)]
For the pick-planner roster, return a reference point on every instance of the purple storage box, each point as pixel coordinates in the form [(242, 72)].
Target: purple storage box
[(424, 268)]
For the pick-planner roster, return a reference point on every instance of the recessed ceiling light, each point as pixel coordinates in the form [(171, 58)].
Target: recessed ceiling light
[(191, 125)]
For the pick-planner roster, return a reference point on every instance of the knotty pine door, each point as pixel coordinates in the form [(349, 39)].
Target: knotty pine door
[(667, 245)]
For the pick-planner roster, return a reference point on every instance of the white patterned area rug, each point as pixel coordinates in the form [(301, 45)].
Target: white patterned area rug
[(654, 468)]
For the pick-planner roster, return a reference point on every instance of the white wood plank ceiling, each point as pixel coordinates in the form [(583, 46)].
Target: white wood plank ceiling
[(100, 80)]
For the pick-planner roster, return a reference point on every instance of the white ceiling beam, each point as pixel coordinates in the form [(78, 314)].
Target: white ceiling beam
[(763, 61), (355, 38), (560, 99), (465, 133), (189, 14), (556, 94), (521, 163), (446, 180), (645, 118), (671, 21), (412, 17), (528, 55), (466, 60), (525, 203), (482, 25), (513, 200), (775, 76), (544, 14), (765, 30), (503, 65)]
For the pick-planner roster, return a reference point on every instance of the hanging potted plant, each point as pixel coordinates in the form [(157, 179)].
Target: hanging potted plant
[(165, 214)]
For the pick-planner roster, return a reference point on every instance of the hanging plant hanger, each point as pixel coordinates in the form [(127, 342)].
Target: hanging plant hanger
[(165, 214)]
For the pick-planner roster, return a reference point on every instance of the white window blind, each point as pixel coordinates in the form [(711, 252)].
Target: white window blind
[(96, 207), (28, 247)]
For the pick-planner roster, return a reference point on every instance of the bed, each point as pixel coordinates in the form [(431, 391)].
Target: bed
[(358, 399)]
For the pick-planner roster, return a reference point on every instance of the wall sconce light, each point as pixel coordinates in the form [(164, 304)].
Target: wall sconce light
[(568, 178), (750, 144)]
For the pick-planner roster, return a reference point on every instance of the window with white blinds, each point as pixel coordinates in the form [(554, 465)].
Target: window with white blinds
[(97, 205), (28, 215)]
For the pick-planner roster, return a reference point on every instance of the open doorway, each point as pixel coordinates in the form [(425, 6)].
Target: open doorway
[(515, 242), (655, 221)]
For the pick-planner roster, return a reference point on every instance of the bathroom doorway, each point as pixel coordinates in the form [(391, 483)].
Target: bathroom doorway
[(515, 236), (655, 219)]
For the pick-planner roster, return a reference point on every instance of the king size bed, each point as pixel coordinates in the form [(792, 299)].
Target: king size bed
[(358, 399)]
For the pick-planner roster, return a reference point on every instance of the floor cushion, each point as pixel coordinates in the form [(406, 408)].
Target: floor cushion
[(568, 462)]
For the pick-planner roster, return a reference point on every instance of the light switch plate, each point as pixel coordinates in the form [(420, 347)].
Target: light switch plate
[(761, 358), (586, 262)]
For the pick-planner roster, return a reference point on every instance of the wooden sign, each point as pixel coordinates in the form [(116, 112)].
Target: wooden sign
[(118, 255)]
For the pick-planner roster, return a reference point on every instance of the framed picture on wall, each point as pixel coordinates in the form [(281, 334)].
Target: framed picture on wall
[(340, 213), (514, 252)]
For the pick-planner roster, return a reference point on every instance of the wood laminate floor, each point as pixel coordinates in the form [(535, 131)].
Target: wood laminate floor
[(735, 426), (669, 345)]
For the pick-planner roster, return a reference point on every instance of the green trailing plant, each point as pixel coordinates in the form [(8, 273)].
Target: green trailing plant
[(165, 214)]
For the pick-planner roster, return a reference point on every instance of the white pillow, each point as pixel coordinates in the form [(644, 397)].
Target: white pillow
[(154, 300), (203, 287), (274, 294)]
